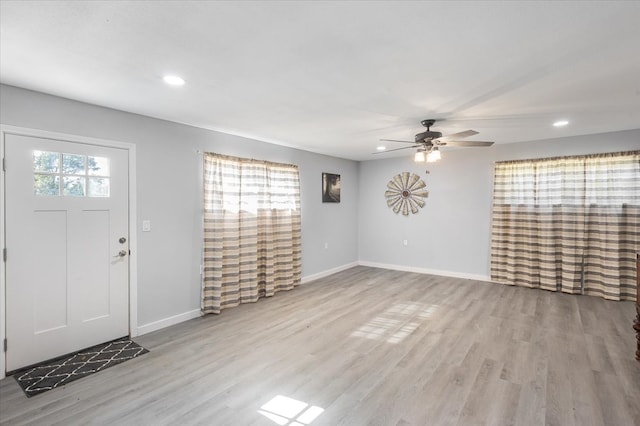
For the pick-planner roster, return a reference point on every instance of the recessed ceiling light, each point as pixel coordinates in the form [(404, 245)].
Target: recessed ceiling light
[(173, 80), (381, 148), (560, 123)]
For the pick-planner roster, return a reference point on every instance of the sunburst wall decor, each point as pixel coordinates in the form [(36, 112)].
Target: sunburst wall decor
[(405, 192)]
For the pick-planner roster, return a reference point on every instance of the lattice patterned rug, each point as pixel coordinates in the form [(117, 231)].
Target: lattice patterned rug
[(60, 371)]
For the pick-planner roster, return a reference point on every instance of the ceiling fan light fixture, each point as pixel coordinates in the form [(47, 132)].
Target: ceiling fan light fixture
[(560, 123), (173, 80), (428, 143), (381, 148), (434, 156)]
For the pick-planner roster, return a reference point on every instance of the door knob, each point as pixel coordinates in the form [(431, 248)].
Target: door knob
[(121, 253), (122, 240)]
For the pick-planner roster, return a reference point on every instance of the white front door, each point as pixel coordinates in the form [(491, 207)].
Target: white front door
[(67, 241)]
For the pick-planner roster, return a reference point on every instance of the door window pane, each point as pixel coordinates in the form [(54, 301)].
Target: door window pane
[(72, 175), (73, 186), (98, 187), (98, 166), (73, 164), (47, 162), (44, 184)]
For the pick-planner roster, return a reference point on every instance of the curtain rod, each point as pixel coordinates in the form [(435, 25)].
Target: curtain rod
[(255, 160), (567, 157)]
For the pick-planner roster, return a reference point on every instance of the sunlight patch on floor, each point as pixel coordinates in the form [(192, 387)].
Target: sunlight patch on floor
[(287, 411), (392, 325)]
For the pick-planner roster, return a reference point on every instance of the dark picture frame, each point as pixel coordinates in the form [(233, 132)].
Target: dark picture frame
[(330, 188)]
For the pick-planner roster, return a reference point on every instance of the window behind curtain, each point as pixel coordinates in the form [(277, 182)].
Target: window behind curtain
[(568, 224), (252, 235)]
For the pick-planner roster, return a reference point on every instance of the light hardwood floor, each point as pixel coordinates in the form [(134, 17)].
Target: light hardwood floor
[(370, 346)]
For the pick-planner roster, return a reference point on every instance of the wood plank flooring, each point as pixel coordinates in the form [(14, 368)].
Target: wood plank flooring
[(369, 347)]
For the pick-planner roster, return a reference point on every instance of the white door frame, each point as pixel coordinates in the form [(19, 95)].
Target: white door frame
[(133, 240)]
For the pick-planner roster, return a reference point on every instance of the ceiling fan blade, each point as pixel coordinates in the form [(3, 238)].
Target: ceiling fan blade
[(395, 140), (464, 143), (396, 149), (464, 134)]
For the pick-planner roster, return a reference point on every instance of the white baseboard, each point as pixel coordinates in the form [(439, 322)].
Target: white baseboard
[(328, 272), (462, 275), (176, 319), (166, 322)]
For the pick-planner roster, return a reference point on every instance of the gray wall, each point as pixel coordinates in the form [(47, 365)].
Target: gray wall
[(451, 234), (169, 193)]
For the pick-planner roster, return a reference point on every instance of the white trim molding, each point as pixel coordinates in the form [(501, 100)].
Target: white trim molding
[(167, 322), (439, 272), (326, 273), (133, 241), (3, 331), (186, 316)]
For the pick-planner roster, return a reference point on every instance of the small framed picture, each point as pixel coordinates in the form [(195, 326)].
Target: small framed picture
[(330, 188)]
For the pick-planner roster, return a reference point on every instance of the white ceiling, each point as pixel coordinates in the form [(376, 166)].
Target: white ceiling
[(335, 77)]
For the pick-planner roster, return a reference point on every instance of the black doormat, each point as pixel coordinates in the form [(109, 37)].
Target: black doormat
[(62, 370)]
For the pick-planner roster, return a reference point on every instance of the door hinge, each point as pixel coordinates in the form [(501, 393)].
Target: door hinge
[(4, 165), (4, 344), (4, 254)]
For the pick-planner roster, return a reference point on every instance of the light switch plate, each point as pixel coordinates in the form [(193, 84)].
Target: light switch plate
[(146, 225)]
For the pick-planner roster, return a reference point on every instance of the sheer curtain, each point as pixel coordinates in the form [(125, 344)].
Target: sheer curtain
[(568, 224), (252, 236)]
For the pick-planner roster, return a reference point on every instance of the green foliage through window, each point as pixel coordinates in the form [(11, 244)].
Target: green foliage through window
[(72, 175)]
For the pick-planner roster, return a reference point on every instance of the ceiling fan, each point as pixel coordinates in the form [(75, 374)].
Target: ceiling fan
[(429, 142)]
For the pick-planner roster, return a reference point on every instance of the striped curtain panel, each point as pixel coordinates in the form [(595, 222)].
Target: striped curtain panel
[(612, 234), (252, 230), (568, 224)]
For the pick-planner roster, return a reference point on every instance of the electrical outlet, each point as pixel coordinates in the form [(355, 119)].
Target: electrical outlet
[(146, 225), (326, 245), (405, 242)]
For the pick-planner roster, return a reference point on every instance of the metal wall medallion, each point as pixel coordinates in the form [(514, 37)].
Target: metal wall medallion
[(406, 192)]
